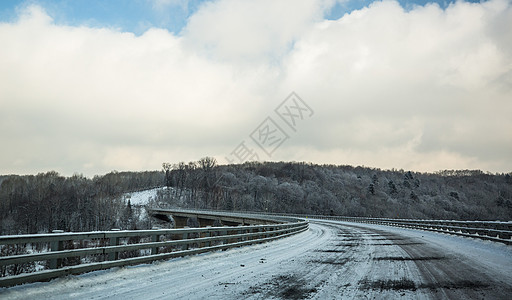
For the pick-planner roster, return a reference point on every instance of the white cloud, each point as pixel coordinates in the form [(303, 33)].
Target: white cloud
[(440, 70), (110, 88), (243, 31), (424, 89)]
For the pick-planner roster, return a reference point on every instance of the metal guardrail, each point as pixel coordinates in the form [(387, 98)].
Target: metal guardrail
[(159, 244), (487, 230), (497, 231), (241, 216), (110, 246), (493, 231)]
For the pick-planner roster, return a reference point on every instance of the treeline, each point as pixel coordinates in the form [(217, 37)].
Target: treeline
[(47, 201), (339, 190)]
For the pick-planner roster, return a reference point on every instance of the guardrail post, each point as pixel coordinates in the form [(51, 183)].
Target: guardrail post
[(155, 238), (113, 241), (207, 234), (226, 240), (185, 237), (56, 246)]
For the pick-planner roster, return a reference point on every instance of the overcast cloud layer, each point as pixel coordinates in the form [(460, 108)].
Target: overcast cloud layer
[(421, 89)]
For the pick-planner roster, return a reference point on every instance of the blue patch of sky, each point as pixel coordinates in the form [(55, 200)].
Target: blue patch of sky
[(134, 16), (139, 15), (344, 7)]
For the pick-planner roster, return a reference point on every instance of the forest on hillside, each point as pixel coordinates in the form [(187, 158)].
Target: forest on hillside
[(47, 201), (297, 187)]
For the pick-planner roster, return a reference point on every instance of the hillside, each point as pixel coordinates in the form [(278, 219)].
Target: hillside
[(341, 190), (47, 201)]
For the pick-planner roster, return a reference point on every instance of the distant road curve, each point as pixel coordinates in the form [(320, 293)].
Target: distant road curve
[(333, 260)]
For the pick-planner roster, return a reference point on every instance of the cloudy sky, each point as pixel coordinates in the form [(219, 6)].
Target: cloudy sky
[(94, 86)]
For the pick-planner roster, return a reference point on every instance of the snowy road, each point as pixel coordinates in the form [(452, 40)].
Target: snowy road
[(333, 260)]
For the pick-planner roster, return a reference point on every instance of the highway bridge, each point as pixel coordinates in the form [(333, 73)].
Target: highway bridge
[(330, 259)]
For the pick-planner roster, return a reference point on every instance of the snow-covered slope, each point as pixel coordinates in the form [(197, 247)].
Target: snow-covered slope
[(142, 197)]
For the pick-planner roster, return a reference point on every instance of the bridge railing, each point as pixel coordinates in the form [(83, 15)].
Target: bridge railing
[(497, 231), (58, 254), (488, 230)]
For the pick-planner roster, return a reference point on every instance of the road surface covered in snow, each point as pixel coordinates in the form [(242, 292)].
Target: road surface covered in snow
[(332, 260)]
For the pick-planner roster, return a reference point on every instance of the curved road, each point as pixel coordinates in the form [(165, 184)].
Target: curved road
[(333, 260)]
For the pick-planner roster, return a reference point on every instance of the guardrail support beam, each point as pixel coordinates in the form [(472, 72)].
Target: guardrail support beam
[(56, 246), (155, 238)]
